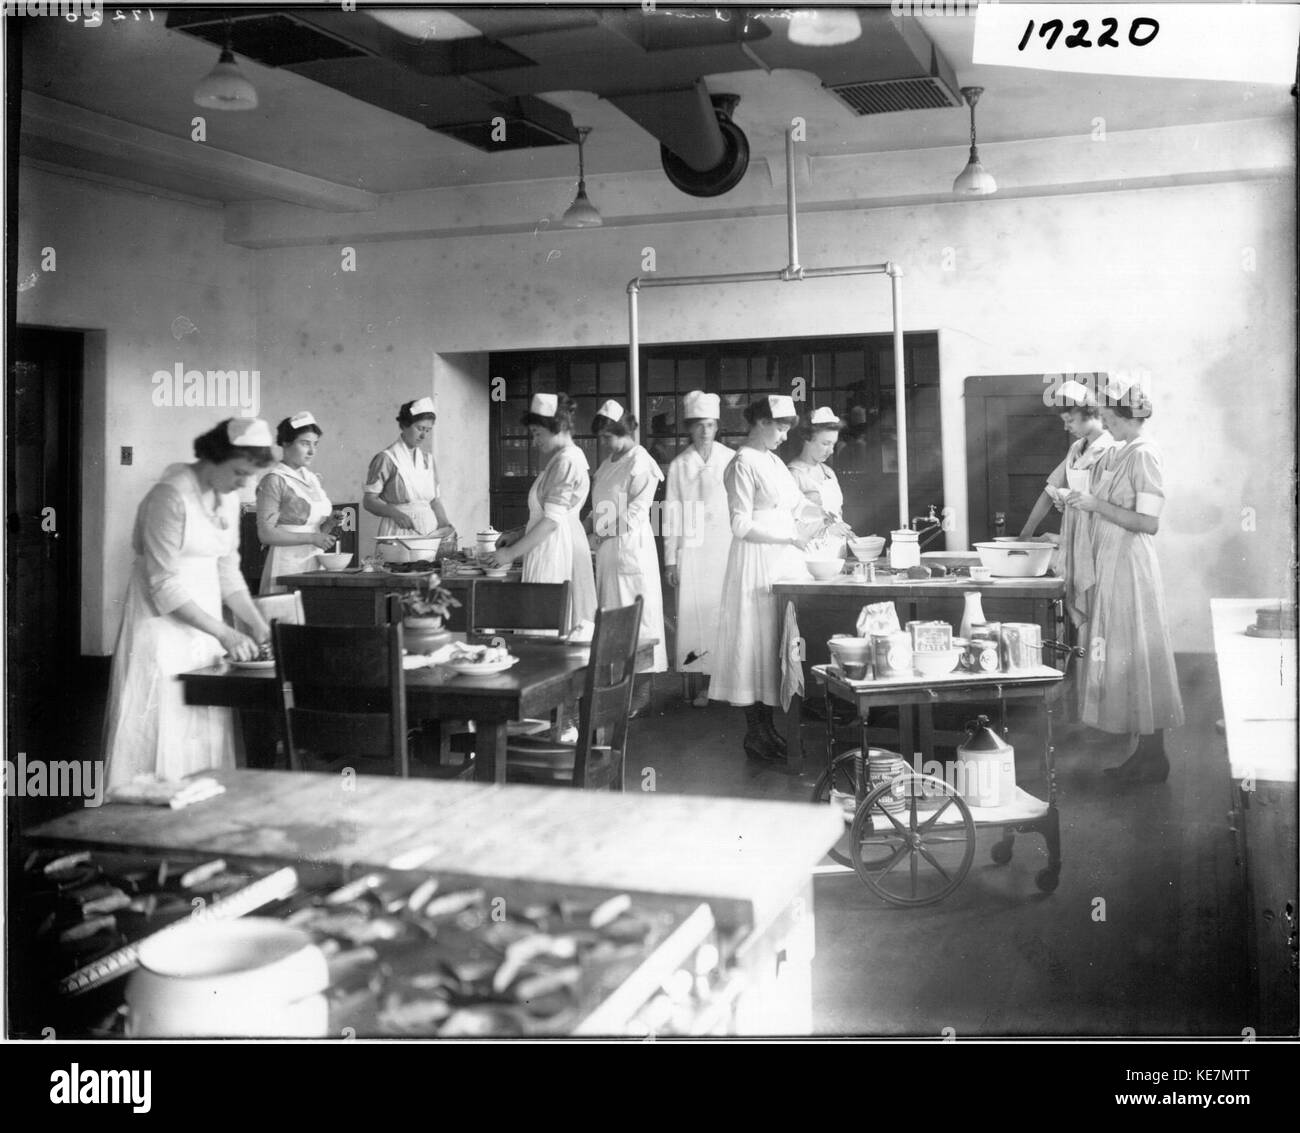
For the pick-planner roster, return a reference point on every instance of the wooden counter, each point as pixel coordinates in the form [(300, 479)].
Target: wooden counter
[(357, 597), (1257, 678), (823, 609)]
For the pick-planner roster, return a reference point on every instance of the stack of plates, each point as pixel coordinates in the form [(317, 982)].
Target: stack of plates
[(883, 766)]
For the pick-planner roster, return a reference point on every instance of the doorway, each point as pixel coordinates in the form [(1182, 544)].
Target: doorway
[(1014, 440), (44, 369)]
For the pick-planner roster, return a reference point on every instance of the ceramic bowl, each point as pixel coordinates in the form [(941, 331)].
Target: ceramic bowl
[(822, 569), (333, 560), (939, 663)]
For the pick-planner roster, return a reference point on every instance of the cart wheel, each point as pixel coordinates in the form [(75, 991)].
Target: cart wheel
[(916, 853), (1048, 879), (1002, 851), (845, 782)]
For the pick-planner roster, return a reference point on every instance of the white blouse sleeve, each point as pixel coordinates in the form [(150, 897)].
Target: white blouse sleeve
[(1149, 482), (159, 534)]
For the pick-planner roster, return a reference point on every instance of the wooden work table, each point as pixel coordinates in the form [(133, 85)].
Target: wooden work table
[(358, 597), (1257, 677), (751, 861)]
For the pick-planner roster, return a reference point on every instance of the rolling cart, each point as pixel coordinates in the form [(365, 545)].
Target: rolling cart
[(910, 834)]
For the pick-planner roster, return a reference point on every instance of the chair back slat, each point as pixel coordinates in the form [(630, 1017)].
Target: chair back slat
[(342, 692), (518, 607), (607, 693)]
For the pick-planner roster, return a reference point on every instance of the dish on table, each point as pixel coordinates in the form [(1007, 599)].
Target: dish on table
[(480, 660), (495, 572), (483, 668), (265, 659), (334, 560)]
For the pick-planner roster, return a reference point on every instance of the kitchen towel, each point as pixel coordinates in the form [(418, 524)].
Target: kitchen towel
[(791, 659)]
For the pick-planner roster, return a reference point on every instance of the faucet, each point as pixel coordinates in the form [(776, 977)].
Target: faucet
[(931, 524)]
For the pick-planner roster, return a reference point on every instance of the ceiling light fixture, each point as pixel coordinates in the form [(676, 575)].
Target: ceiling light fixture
[(429, 24), (582, 213), (224, 87), (974, 180), (824, 27)]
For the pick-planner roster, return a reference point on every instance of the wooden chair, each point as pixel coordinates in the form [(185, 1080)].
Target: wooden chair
[(596, 761), (518, 607), (343, 696)]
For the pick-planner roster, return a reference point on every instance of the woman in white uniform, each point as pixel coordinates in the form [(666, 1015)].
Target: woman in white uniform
[(553, 545), (627, 561), (822, 517), (295, 520), (402, 482), (763, 500), (1130, 680), (186, 543), (697, 536), (1082, 420)]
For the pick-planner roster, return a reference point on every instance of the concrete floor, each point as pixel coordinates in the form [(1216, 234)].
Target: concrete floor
[(998, 957)]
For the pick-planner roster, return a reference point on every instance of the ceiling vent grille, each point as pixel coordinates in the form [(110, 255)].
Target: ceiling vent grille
[(885, 96)]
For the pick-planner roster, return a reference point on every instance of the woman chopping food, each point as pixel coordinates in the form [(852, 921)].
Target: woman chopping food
[(294, 518), (627, 561), (697, 536), (1082, 420), (822, 517), (402, 481), (186, 543), (553, 545), (1130, 682), (763, 500)]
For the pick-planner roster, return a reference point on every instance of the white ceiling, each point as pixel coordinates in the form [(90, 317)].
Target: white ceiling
[(143, 74)]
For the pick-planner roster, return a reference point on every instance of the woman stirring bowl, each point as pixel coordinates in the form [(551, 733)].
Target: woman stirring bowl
[(186, 542), (763, 500), (697, 536), (553, 545), (294, 518), (402, 482), (1130, 683), (823, 515), (627, 561)]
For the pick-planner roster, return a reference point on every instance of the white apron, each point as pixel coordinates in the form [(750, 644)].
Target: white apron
[(831, 496), (701, 541), (563, 557), (421, 487), (150, 729), (627, 563), (295, 559)]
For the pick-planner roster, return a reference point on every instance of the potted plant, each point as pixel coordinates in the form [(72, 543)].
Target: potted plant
[(425, 608)]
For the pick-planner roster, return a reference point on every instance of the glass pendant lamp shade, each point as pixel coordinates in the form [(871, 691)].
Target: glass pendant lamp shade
[(974, 180), (225, 88), (582, 213)]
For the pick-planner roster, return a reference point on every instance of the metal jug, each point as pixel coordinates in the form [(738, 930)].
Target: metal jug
[(985, 774)]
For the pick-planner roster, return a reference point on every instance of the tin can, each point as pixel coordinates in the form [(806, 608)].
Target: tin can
[(982, 655), (892, 654), (1022, 645)]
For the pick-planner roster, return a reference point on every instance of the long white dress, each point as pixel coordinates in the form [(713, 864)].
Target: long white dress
[(407, 479), (1130, 681), (697, 540), (184, 553), (627, 561), (291, 499), (762, 498), (1075, 474), (559, 493)]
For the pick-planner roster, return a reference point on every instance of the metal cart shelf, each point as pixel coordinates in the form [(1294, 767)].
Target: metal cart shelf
[(919, 820)]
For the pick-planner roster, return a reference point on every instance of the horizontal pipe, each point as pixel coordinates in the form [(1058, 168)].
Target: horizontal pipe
[(860, 269), (689, 280)]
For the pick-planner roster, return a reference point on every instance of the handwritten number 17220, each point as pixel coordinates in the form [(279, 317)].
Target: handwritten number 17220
[(1140, 32)]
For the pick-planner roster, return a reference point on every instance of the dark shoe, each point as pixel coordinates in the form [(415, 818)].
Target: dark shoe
[(759, 748), (775, 739), (1141, 768)]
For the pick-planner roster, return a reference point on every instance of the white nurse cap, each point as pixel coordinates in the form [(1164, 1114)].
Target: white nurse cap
[(544, 404), (302, 420), (612, 410), (1074, 393), (697, 403), (824, 416), (420, 407), (781, 406), (249, 432)]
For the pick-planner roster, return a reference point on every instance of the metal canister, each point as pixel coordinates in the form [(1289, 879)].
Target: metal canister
[(982, 655), (892, 654), (1022, 645)]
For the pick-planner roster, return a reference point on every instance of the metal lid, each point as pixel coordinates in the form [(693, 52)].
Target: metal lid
[(981, 737)]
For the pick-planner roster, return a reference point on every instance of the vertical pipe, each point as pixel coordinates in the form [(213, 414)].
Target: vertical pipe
[(633, 353), (900, 391), (792, 224)]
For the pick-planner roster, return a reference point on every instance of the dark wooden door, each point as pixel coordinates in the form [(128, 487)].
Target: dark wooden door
[(43, 555), (1013, 441)]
